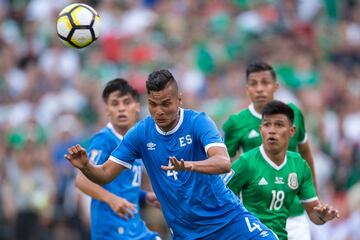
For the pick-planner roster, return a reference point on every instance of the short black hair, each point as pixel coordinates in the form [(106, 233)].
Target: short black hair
[(277, 107), (259, 66), (159, 79), (121, 85)]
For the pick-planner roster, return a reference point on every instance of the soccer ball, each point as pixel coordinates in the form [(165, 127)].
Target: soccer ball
[(78, 25)]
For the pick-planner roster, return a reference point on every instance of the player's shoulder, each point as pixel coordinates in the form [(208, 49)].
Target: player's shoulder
[(252, 152), (235, 117), (143, 128), (243, 112), (295, 108), (247, 159), (295, 157), (193, 115), (104, 140), (148, 121), (104, 135)]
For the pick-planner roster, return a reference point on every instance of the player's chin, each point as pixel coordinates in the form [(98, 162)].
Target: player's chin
[(162, 123), (272, 145), (262, 99), (123, 124)]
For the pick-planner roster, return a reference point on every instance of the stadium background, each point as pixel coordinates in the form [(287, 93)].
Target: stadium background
[(50, 94)]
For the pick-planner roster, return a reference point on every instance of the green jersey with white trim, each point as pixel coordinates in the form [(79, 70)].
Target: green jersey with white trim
[(242, 131), (268, 190)]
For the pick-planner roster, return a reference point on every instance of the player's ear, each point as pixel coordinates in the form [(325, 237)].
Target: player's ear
[(107, 112), (247, 89), (138, 107), (292, 130), (180, 98), (277, 85)]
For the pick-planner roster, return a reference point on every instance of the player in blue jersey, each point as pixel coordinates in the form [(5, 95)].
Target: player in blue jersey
[(108, 219), (184, 154)]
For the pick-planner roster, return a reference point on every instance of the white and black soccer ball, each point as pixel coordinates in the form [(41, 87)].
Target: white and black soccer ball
[(78, 25)]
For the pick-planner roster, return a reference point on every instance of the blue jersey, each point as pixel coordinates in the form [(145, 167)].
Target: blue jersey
[(105, 223), (195, 205)]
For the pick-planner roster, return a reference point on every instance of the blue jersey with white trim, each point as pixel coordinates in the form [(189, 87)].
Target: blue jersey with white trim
[(194, 204), (105, 223)]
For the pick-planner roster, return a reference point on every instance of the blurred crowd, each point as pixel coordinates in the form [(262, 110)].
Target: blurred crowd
[(50, 93)]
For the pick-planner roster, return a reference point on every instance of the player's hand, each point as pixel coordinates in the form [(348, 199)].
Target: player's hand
[(121, 206), (326, 212), (77, 156), (152, 200), (178, 165)]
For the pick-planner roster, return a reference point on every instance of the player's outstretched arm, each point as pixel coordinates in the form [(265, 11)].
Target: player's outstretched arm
[(218, 162), (119, 205), (100, 174), (320, 213)]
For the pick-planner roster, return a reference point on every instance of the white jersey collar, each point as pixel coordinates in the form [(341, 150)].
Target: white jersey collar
[(271, 163), (253, 111), (175, 128), (112, 129)]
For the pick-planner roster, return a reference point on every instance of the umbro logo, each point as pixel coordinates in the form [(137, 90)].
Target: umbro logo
[(264, 233), (151, 146), (253, 134), (262, 182)]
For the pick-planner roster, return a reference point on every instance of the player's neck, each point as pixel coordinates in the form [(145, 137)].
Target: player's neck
[(277, 157), (121, 131), (258, 108), (172, 125)]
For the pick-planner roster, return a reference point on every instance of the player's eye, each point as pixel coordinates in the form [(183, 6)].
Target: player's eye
[(114, 103), (279, 124), (252, 83), (166, 104), (266, 124), (265, 82)]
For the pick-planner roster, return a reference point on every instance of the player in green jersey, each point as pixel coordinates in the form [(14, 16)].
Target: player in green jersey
[(242, 133), (269, 177)]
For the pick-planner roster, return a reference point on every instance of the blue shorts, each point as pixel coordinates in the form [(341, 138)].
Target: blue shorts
[(244, 227)]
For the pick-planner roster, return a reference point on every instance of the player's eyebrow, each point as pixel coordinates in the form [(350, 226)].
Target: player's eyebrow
[(162, 101)]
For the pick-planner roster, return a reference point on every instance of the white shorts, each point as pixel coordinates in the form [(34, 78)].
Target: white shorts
[(298, 228)]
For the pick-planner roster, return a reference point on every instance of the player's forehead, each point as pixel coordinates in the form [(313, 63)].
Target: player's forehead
[(120, 96), (261, 75), (279, 117), (167, 94)]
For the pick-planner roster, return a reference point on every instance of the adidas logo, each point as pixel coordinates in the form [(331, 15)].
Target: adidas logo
[(262, 182), (151, 146), (253, 134)]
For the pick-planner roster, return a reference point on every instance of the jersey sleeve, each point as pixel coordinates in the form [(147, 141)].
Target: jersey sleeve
[(307, 191), (207, 132), (128, 150), (230, 138), (240, 176), (99, 149), (302, 138)]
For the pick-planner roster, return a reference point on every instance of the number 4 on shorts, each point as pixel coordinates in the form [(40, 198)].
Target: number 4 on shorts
[(252, 226)]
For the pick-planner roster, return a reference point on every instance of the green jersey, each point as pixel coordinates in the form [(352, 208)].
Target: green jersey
[(268, 190), (242, 131)]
